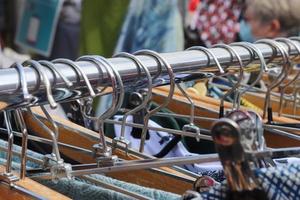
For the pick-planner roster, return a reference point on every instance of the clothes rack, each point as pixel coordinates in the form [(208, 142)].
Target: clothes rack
[(116, 76)]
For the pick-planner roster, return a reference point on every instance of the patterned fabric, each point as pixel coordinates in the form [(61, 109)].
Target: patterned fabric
[(217, 175), (218, 21), (280, 183)]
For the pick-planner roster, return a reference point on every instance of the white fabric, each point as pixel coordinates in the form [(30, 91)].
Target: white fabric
[(285, 161), (9, 56), (153, 145)]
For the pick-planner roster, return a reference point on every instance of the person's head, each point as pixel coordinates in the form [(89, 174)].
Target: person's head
[(271, 18)]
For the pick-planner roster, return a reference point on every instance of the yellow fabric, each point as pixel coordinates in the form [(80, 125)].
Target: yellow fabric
[(192, 90), (250, 105), (201, 88)]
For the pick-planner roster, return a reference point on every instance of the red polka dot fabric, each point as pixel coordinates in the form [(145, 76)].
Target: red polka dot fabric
[(218, 21)]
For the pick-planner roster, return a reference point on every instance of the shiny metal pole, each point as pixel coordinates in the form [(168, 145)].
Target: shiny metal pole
[(182, 61)]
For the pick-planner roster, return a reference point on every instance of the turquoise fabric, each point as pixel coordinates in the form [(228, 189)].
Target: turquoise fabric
[(155, 25), (84, 190)]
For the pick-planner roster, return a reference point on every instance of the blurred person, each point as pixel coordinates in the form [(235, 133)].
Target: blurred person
[(270, 19)]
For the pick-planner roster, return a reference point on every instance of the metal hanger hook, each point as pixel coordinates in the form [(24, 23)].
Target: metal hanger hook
[(27, 97), (288, 42), (284, 73), (209, 54), (143, 104), (43, 77), (10, 141), (171, 75), (79, 72), (233, 54), (55, 70), (21, 122), (252, 49), (116, 84), (117, 95)]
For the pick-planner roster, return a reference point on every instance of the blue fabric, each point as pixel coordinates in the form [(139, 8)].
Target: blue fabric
[(155, 25), (280, 183)]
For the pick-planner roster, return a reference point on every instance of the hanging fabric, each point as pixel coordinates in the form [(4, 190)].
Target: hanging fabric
[(154, 25), (100, 36), (218, 21)]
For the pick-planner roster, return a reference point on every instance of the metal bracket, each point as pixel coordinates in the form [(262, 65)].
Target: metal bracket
[(123, 141), (59, 169), (8, 178), (193, 129), (104, 158), (49, 160)]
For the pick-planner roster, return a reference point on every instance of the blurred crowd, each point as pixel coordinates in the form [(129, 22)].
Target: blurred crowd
[(105, 27)]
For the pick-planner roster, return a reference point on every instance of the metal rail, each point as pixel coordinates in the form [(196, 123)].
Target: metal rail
[(182, 61)]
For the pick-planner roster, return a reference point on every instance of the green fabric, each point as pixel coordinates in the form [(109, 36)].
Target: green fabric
[(101, 23)]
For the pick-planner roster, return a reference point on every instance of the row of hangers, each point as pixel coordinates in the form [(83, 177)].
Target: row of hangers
[(142, 89)]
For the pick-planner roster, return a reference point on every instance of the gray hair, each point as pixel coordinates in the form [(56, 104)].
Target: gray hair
[(286, 11)]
